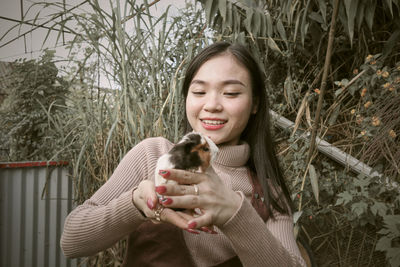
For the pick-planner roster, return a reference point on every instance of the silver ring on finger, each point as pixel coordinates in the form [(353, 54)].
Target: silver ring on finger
[(196, 189), (157, 213)]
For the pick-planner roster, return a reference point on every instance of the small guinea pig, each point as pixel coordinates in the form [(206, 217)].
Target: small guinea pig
[(194, 152)]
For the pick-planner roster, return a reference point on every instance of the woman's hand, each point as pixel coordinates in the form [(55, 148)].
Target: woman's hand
[(146, 200), (216, 202)]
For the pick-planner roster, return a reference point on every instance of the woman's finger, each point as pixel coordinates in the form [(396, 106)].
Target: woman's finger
[(189, 215), (200, 222), (173, 217), (184, 202), (209, 230), (144, 197), (177, 189), (182, 176)]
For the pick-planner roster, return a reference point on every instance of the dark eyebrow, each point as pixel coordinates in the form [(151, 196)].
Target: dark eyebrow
[(226, 82), (233, 82), (197, 81)]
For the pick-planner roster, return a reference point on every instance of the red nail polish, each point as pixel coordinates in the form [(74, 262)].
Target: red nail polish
[(166, 201), (192, 225), (150, 204), (208, 230), (164, 174), (205, 229), (161, 189), (192, 231)]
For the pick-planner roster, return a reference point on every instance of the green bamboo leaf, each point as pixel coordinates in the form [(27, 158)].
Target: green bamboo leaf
[(342, 16), (360, 14), (397, 3), (316, 17), (322, 9), (222, 9), (314, 182), (256, 23), (304, 31), (389, 4), (8, 31), (273, 45), (45, 39), (351, 12), (269, 24), (282, 32), (229, 21), (263, 30), (248, 21), (208, 7), (304, 23), (109, 136), (211, 10), (236, 19), (293, 10), (393, 40), (296, 26), (285, 9), (370, 12)]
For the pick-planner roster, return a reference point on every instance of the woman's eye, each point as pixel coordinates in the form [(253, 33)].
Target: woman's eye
[(198, 93), (231, 94)]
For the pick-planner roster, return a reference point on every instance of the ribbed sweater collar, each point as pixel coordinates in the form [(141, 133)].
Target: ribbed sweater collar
[(233, 156)]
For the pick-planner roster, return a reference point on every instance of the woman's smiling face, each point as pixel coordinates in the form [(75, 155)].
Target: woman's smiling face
[(219, 101)]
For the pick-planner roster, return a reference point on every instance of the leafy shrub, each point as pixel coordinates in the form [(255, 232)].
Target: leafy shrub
[(34, 90)]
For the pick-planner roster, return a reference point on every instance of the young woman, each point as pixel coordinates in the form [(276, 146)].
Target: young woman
[(246, 209)]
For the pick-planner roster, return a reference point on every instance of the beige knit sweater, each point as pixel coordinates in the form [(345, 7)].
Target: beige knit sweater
[(109, 214)]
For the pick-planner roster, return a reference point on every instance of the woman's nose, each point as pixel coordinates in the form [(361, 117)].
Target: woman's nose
[(213, 103)]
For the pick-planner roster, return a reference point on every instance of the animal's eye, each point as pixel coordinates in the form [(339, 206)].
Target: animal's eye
[(205, 148)]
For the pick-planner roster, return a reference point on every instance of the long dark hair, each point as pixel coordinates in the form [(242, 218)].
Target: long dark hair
[(263, 161)]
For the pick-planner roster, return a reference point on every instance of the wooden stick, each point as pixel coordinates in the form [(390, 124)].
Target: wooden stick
[(328, 149), (324, 78)]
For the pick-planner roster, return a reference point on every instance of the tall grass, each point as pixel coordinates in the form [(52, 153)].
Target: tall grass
[(125, 77), (125, 73)]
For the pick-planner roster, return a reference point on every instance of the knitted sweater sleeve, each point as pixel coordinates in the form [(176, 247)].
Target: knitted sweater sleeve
[(262, 244), (109, 214)]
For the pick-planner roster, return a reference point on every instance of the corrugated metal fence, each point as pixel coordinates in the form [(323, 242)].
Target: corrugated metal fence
[(35, 198)]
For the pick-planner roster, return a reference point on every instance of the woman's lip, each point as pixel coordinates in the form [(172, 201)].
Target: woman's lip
[(212, 119), (212, 127)]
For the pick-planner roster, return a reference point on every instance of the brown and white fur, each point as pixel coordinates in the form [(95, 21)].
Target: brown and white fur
[(194, 152)]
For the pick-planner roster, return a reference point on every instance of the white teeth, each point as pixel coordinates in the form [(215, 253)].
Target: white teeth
[(212, 122)]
